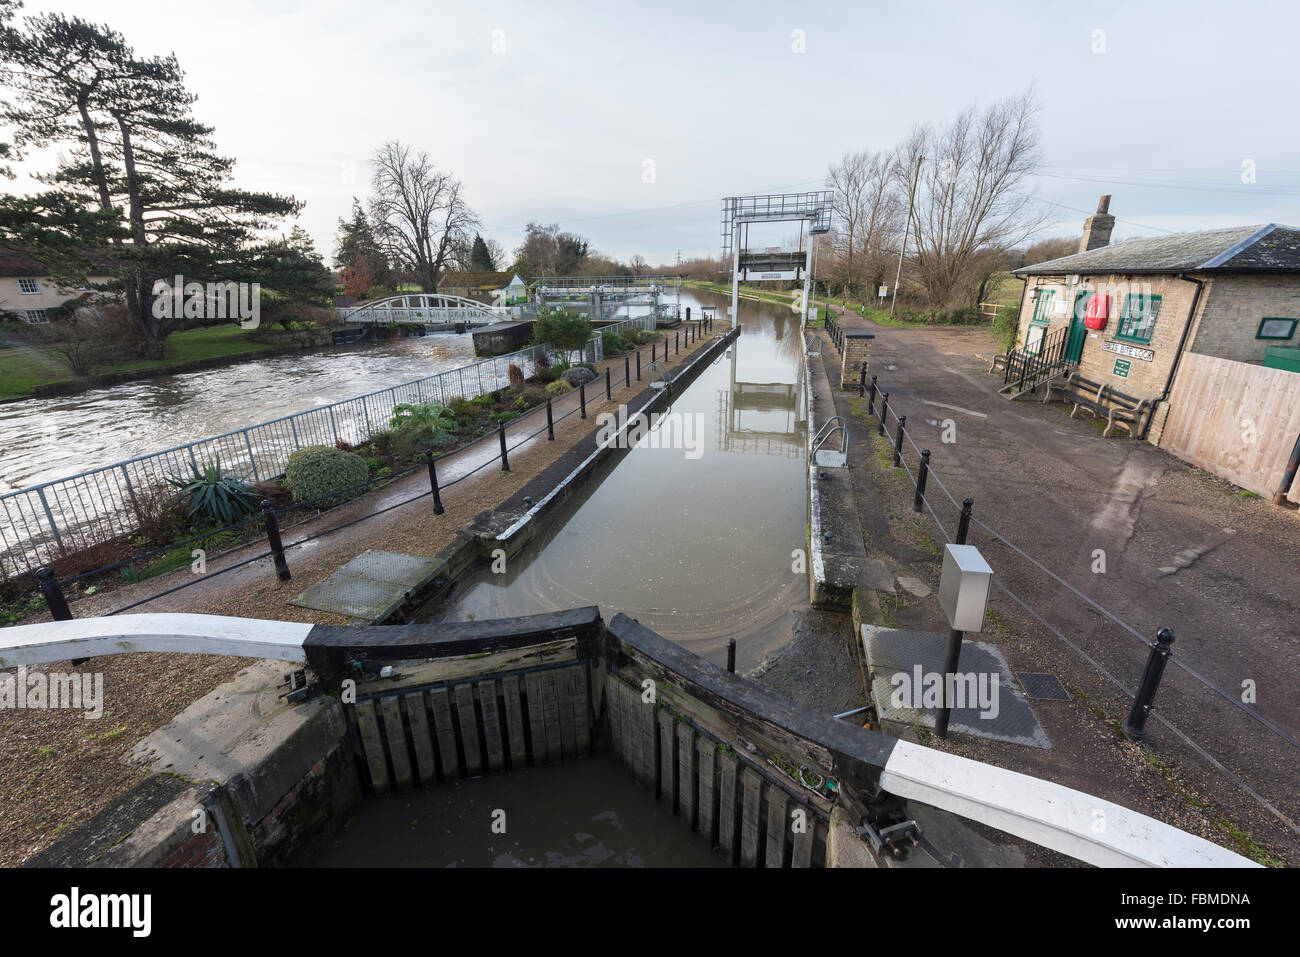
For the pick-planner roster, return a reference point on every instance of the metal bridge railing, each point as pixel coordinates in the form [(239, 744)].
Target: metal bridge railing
[(56, 518)]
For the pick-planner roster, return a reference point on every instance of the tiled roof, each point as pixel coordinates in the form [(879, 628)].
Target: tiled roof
[(1247, 248)]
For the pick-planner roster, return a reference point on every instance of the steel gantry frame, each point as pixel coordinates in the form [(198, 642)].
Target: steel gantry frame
[(813, 208)]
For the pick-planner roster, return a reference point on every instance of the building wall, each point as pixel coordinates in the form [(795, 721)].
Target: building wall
[(1233, 310), (49, 296), (1146, 377)]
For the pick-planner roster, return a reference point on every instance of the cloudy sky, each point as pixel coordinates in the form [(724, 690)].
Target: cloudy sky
[(627, 122)]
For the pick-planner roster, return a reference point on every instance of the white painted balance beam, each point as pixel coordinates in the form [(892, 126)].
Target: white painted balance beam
[(1079, 825), (187, 634)]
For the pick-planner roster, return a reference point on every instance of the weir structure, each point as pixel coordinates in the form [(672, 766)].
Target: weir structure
[(773, 264), (436, 310), (604, 298), (377, 709)]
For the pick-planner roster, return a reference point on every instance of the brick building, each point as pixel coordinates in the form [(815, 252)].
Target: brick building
[(1123, 315)]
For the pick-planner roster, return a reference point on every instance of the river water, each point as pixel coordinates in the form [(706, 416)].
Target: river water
[(43, 439), (697, 541), (588, 813)]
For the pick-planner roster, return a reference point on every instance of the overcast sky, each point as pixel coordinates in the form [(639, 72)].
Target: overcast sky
[(555, 111)]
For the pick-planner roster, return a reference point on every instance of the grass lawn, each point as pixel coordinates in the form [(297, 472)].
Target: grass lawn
[(24, 366)]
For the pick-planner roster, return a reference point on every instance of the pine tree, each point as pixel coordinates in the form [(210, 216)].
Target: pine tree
[(138, 154), (480, 257)]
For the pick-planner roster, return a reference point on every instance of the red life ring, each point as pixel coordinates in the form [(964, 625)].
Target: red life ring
[(1098, 311)]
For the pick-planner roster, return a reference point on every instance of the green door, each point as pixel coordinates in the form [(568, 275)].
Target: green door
[(1078, 331)]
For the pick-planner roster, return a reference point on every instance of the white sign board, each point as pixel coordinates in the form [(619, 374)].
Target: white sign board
[(777, 275)]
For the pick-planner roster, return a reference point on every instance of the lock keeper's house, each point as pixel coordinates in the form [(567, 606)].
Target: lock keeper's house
[(1110, 327)]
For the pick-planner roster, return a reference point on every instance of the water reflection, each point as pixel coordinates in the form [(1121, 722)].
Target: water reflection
[(697, 548)]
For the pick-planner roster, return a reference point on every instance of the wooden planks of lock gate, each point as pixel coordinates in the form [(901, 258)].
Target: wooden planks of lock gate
[(734, 781)]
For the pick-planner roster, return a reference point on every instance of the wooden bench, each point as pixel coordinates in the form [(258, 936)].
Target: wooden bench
[(1099, 398)]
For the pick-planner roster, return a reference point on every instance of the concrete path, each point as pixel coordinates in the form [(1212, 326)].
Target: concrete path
[(1138, 531)]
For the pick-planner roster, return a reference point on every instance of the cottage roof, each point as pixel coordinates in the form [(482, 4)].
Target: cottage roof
[(1267, 248)]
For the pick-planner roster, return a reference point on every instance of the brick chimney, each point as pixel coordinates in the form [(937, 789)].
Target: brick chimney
[(1097, 227)]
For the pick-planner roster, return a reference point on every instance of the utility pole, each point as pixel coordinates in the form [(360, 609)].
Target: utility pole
[(911, 196)]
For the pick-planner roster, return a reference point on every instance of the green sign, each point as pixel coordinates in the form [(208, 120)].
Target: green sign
[(1121, 367)]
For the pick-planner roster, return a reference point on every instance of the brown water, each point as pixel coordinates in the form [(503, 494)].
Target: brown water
[(697, 548), (43, 439), (588, 813)]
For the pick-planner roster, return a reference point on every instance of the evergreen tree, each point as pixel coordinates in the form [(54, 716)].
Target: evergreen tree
[(138, 154), (480, 257)]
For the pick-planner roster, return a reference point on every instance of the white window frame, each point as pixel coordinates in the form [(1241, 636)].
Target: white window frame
[(35, 284), (35, 317)]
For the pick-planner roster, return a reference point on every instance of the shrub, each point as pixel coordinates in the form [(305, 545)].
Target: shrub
[(427, 417), (526, 402), (612, 342), (558, 387), (461, 407), (216, 497), (318, 471), (159, 513), (562, 328), (516, 377), (589, 366)]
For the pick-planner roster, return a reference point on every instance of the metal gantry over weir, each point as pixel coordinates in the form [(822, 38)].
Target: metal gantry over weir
[(773, 264)]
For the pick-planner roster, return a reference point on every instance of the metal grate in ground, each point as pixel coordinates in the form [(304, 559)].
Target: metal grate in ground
[(1042, 686)]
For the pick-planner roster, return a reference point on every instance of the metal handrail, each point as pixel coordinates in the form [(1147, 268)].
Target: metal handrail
[(830, 427), (663, 372), (79, 511)]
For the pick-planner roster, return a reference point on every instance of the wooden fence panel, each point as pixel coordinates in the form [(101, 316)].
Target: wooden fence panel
[(1237, 420)]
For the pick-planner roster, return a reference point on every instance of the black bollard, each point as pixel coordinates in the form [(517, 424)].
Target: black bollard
[(1151, 675), (871, 399), (582, 399), (505, 458), (609, 394), (627, 370), (52, 592), (731, 655), (433, 483), (963, 523), (922, 474), (884, 413), (898, 441), (862, 381), (550, 421), (273, 536), (638, 365)]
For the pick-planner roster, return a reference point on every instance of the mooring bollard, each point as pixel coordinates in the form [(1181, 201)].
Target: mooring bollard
[(922, 474), (871, 400), (731, 655), (550, 421), (898, 441), (505, 458), (582, 399), (609, 394), (273, 536), (52, 592), (884, 413), (1151, 675), (433, 483)]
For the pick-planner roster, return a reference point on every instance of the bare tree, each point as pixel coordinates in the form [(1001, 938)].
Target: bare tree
[(867, 211), (972, 199), (418, 213)]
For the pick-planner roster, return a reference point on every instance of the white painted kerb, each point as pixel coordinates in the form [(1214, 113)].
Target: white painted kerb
[(189, 634)]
